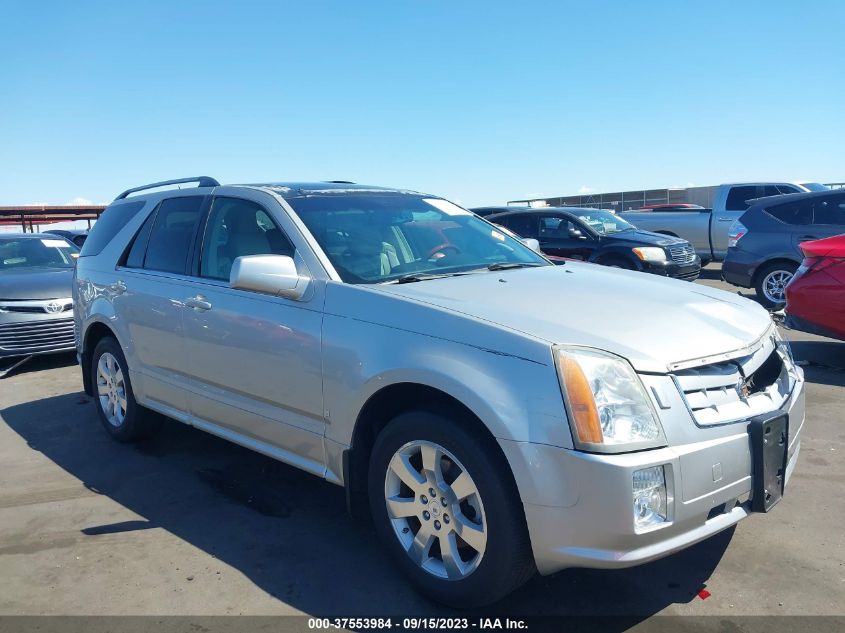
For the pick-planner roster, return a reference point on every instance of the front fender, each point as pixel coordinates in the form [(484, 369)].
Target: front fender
[(517, 399)]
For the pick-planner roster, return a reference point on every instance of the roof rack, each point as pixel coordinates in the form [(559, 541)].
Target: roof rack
[(202, 181), (339, 182)]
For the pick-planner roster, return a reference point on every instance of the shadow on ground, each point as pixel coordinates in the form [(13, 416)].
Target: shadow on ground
[(38, 363), (288, 532)]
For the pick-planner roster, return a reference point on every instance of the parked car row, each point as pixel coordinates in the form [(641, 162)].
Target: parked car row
[(594, 235), (707, 229), (765, 242)]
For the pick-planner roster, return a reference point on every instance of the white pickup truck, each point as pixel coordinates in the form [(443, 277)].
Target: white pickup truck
[(707, 229)]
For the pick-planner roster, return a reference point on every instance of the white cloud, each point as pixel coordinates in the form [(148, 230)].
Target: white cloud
[(585, 189), (79, 202)]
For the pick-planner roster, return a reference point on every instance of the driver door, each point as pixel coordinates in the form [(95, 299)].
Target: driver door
[(255, 361), (565, 237)]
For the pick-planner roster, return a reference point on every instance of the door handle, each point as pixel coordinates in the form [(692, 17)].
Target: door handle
[(198, 303), (725, 219), (118, 287)]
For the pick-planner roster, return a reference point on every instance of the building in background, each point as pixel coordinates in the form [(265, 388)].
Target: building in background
[(627, 200)]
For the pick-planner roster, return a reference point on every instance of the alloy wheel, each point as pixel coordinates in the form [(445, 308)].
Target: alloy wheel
[(111, 389), (774, 285), (435, 509)]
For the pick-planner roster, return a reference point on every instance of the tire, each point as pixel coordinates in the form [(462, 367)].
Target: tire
[(123, 418), (490, 514), (771, 281)]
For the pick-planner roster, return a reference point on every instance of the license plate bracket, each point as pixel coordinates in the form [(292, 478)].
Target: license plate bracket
[(769, 441)]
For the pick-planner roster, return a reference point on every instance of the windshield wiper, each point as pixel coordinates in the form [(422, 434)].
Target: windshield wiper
[(510, 265), (407, 279)]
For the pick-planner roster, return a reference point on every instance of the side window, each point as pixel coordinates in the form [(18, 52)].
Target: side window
[(171, 234), (135, 257), (786, 189), (236, 228), (795, 213), (111, 221), (523, 225), (829, 211), (555, 228), (737, 197)]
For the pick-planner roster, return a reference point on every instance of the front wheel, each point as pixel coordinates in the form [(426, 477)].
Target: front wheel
[(771, 283), (445, 505)]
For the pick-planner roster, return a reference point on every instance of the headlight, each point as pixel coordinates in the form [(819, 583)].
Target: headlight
[(608, 408), (650, 254)]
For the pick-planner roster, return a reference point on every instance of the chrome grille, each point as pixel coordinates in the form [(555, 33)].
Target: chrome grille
[(737, 389), (683, 254), (32, 337)]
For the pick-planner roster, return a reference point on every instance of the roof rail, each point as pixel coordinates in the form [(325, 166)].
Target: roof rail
[(202, 181), (339, 182)]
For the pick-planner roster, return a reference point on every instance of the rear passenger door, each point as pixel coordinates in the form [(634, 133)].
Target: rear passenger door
[(254, 359), (152, 283)]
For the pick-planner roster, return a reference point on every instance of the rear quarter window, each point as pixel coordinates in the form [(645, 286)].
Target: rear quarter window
[(111, 221), (794, 213)]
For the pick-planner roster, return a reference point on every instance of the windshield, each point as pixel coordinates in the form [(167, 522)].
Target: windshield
[(814, 186), (54, 252), (602, 222), (378, 237)]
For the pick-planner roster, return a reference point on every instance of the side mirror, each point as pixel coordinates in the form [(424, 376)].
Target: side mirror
[(531, 243), (271, 274)]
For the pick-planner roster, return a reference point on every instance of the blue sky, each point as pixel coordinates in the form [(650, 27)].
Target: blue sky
[(480, 102)]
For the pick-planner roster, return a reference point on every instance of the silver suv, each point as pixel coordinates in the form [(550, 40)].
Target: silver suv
[(497, 413)]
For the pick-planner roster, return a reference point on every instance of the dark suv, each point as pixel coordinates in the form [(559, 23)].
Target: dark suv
[(763, 245), (599, 236)]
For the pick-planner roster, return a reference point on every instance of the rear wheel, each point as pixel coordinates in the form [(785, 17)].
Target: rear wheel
[(123, 418), (771, 283), (445, 506)]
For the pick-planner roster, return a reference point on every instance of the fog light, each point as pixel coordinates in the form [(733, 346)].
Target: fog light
[(650, 507)]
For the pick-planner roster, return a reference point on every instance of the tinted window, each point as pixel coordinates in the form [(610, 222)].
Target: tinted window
[(236, 228), (522, 225), (135, 258), (555, 228), (737, 197), (796, 213), (171, 235), (111, 221), (830, 211)]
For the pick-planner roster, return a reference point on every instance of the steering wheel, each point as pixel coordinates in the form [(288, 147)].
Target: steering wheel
[(441, 248)]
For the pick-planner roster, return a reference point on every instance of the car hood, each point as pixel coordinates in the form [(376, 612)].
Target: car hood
[(36, 283), (652, 321), (644, 237)]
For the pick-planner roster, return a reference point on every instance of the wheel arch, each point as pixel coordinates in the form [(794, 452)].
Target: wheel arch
[(755, 278), (384, 405), (94, 333)]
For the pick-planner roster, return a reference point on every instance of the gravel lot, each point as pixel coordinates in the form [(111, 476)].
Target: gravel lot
[(189, 524)]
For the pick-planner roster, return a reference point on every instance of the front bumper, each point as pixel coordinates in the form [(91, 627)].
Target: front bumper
[(688, 272), (579, 506), (739, 267)]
